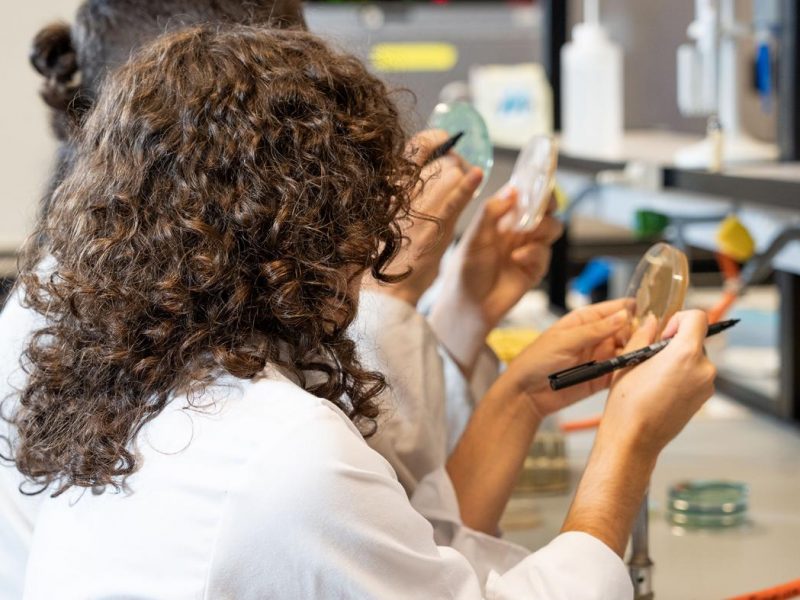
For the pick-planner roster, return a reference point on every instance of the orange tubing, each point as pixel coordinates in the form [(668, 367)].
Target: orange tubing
[(730, 272), (582, 425), (728, 266), (779, 592), (718, 311)]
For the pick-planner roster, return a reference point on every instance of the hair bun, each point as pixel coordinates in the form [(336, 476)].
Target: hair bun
[(53, 56), (52, 53)]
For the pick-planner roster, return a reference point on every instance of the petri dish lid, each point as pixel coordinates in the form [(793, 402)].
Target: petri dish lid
[(708, 503), (534, 178), (659, 285), (474, 146)]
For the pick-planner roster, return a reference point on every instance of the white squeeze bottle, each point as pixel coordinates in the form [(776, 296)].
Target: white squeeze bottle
[(591, 93)]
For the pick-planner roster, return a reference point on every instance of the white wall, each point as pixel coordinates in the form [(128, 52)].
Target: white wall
[(26, 145)]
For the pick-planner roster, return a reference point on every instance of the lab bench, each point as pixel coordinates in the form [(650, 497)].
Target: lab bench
[(765, 197), (723, 441)]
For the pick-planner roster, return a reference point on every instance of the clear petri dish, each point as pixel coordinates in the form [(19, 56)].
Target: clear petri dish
[(474, 146), (534, 178), (659, 285), (708, 504)]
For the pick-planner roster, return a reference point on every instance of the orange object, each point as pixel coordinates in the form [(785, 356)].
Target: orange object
[(723, 306), (779, 592), (730, 273), (582, 425), (728, 266)]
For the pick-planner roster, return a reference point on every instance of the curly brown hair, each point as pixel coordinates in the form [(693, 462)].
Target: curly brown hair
[(229, 185)]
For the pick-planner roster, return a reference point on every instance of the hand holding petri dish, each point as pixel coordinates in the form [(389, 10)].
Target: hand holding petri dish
[(659, 285), (474, 146), (534, 179)]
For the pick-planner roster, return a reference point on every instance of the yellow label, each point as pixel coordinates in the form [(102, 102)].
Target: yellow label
[(413, 56)]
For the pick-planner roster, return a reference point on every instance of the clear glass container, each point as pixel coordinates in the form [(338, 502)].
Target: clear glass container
[(546, 469), (707, 504), (474, 146), (658, 285), (534, 178)]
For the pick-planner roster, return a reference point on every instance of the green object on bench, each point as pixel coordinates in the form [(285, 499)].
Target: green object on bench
[(648, 224)]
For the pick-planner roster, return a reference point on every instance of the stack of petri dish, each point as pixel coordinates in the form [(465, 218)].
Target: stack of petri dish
[(707, 504)]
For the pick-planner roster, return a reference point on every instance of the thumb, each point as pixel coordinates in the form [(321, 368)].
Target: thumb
[(499, 205), (601, 329), (644, 335), (486, 222), (483, 227)]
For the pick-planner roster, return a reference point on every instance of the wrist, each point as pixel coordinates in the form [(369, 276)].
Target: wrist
[(630, 439), (460, 328), (611, 491), (508, 389)]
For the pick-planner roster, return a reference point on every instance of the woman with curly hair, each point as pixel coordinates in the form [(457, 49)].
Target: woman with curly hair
[(426, 414), (228, 192)]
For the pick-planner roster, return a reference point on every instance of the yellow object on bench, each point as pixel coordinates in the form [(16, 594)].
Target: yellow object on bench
[(508, 343)]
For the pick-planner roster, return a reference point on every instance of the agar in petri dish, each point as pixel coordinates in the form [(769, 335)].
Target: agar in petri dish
[(534, 179), (474, 146), (708, 504), (659, 285)]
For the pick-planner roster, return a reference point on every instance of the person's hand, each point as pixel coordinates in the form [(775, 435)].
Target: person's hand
[(488, 273), (651, 403), (648, 405), (448, 184), (596, 332)]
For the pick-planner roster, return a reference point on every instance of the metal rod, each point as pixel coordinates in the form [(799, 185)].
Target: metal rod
[(640, 566)]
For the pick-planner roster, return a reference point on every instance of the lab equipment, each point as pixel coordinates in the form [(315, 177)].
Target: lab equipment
[(592, 89), (754, 271), (640, 565), (534, 179), (708, 84), (659, 285), (474, 146), (790, 589), (707, 504), (546, 469)]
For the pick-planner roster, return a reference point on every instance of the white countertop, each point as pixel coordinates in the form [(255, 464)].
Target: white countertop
[(724, 441)]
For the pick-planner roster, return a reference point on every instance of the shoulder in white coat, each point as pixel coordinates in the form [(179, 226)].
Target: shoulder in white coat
[(276, 495)]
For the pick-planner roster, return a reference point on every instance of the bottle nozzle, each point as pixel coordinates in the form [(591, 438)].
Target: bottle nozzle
[(591, 12)]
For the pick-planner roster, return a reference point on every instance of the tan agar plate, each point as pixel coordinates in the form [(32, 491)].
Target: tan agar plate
[(659, 285)]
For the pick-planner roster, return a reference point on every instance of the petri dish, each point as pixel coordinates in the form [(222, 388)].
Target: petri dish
[(659, 285), (708, 504), (534, 178), (474, 146)]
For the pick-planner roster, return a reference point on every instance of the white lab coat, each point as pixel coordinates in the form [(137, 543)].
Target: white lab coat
[(429, 402), (17, 512), (418, 456), (274, 494)]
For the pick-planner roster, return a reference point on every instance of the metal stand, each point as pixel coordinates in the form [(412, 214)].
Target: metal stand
[(789, 399), (554, 35), (788, 80), (640, 566)]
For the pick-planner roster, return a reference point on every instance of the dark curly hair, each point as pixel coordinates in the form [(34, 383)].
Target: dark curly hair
[(73, 60), (230, 186)]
